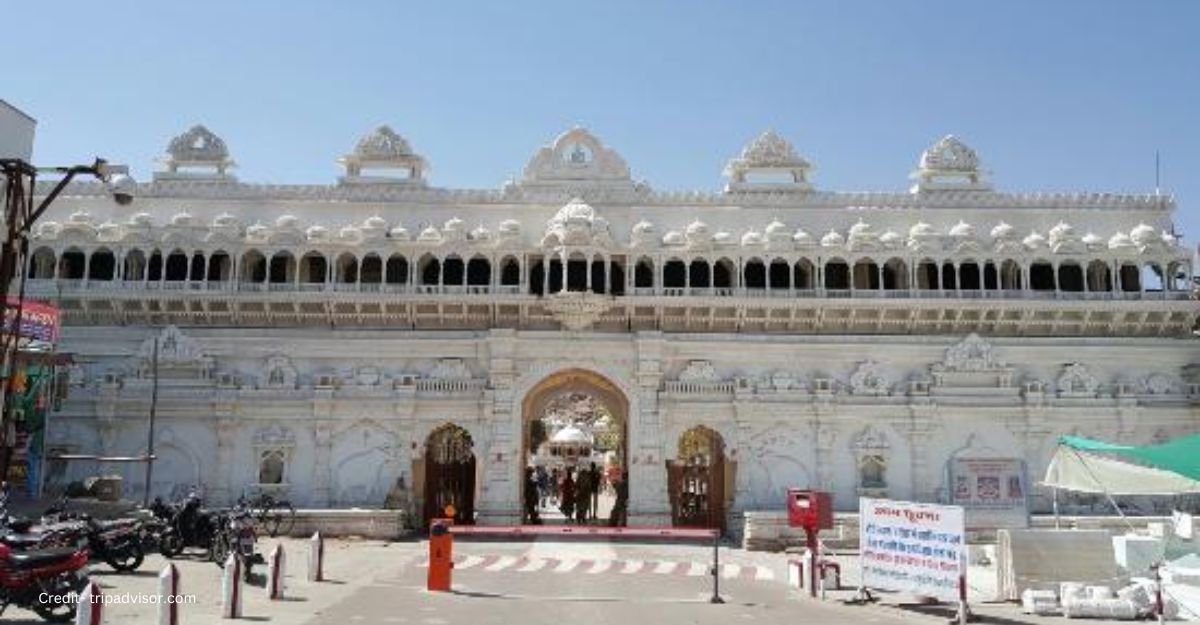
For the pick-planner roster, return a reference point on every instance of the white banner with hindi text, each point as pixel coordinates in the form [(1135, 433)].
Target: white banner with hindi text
[(912, 547)]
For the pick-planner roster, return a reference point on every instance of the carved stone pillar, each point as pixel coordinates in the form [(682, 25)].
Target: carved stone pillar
[(219, 490), (925, 474), (648, 500), (499, 501), (322, 495)]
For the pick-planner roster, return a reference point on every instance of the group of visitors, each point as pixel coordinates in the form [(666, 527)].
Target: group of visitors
[(576, 491)]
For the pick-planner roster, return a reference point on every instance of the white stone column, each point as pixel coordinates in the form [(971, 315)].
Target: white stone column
[(322, 494), (648, 499)]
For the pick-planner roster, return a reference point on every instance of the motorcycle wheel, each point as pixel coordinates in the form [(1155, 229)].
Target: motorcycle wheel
[(128, 558), (170, 544), (59, 611), (219, 552)]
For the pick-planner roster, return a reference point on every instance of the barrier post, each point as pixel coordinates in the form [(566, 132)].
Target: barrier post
[(90, 609), (441, 556), (275, 571), (964, 612), (716, 569), (231, 588), (316, 558), (168, 595)]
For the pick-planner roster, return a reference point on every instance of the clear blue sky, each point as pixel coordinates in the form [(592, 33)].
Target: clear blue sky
[(1062, 95)]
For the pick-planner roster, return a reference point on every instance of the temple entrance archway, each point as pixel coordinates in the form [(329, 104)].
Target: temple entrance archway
[(570, 420), (696, 480), (449, 474)]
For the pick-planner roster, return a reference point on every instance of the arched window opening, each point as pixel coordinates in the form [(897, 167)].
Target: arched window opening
[(643, 274), (895, 275), (454, 271), (154, 268), (577, 273), (780, 275), (1099, 277), (1152, 277), (197, 271), (71, 265), (674, 274), (866, 275), (41, 264), (617, 278), (556, 275), (254, 267), (1010, 276), (723, 274), (990, 277), (347, 269), (283, 268), (837, 275), (537, 277), (479, 271), (804, 275), (598, 276), (1179, 276), (949, 277), (927, 276), (1131, 278), (177, 267), (968, 277), (313, 268), (219, 267), (510, 272), (103, 265), (371, 271), (431, 271), (1041, 277), (396, 270), (1070, 277), (135, 266), (699, 274), (754, 274)]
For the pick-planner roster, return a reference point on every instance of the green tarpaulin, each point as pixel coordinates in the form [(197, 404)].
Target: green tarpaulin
[(1180, 455), (1086, 465)]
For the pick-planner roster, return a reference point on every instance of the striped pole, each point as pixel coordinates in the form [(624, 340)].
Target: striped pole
[(168, 595), (275, 568), (316, 558), (90, 609), (231, 588)]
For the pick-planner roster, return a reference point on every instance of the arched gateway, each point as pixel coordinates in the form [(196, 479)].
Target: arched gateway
[(449, 465), (549, 394)]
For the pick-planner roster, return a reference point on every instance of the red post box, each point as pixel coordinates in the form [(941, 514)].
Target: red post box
[(810, 509), (441, 555)]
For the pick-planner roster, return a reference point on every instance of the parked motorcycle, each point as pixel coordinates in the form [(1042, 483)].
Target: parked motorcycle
[(44, 581), (189, 525), (118, 543), (236, 533)]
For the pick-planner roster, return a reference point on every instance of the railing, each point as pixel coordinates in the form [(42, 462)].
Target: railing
[(41, 287)]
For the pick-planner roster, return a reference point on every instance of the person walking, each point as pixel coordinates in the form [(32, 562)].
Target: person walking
[(531, 498), (597, 482), (566, 496), (621, 484), (583, 496)]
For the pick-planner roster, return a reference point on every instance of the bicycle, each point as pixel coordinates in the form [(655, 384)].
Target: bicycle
[(276, 516)]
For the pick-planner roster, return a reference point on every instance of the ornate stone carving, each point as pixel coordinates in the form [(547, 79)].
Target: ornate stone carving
[(1076, 380), (176, 351), (274, 436), (868, 379), (278, 373), (699, 371), (768, 154), (949, 164), (576, 310), (576, 157), (971, 354), (450, 369), (383, 149), (870, 438), (197, 145), (367, 375), (577, 224), (1160, 384)]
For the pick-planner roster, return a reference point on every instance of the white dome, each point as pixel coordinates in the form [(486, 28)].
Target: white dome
[(287, 222), (108, 229), (510, 226), (802, 238), (571, 435), (316, 232), (350, 232), (752, 238), (1062, 231), (921, 229), (832, 239), (481, 234), (1091, 240), (861, 228), (576, 210), (1142, 235), (673, 237), (643, 227), (225, 219), (890, 237), (398, 232), (256, 230), (1034, 241), (181, 219), (723, 238), (80, 217), (454, 224), (962, 230), (697, 227), (1120, 240), (1168, 239), (1002, 231), (429, 234), (375, 222), (776, 228), (141, 219)]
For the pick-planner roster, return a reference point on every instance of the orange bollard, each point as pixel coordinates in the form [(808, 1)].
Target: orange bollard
[(441, 554)]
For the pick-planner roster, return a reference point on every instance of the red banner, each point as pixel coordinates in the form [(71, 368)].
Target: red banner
[(38, 321)]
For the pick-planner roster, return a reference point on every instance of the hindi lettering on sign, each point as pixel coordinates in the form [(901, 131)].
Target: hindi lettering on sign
[(912, 547)]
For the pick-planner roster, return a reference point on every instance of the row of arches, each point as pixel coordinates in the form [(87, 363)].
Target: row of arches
[(544, 274)]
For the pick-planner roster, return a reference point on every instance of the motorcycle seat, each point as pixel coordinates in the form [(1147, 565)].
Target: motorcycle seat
[(40, 557), (21, 541)]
